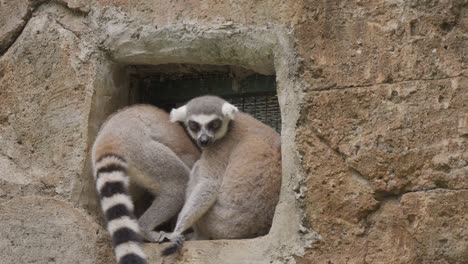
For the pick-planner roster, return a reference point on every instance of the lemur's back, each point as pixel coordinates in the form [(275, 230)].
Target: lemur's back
[(132, 128), (138, 149)]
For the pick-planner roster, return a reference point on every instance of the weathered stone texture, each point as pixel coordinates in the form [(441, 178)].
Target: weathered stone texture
[(211, 11), (13, 17), (399, 137), (356, 43), (421, 227), (42, 115), (45, 230), (384, 112)]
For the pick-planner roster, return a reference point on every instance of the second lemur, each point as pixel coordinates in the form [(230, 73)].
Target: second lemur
[(136, 150)]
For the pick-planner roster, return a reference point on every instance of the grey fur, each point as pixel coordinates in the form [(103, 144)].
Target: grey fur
[(234, 187), (157, 156), (205, 105)]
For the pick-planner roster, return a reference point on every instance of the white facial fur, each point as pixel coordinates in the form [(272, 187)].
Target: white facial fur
[(178, 114), (222, 131), (228, 113), (203, 121)]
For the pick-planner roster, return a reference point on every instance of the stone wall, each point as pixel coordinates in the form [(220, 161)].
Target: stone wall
[(374, 101)]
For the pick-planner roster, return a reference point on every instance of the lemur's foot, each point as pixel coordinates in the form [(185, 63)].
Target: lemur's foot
[(163, 236), (177, 240)]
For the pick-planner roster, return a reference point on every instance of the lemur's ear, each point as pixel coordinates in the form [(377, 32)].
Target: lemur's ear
[(178, 114), (229, 110)]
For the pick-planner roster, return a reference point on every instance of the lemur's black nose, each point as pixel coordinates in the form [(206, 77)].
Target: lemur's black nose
[(203, 140)]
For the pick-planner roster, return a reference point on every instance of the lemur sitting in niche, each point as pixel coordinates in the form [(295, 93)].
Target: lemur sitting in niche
[(138, 149), (234, 186)]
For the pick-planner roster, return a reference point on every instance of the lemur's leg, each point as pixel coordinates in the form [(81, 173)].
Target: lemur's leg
[(169, 178), (202, 196), (166, 205)]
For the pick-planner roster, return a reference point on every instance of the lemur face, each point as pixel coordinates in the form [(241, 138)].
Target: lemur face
[(206, 118), (206, 129)]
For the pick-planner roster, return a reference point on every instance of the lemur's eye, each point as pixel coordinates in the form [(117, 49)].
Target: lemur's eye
[(194, 126), (215, 124)]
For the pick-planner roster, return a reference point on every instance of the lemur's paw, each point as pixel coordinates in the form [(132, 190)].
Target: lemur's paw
[(163, 237), (176, 243)]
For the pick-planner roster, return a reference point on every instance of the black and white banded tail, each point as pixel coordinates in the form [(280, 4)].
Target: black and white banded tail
[(112, 185)]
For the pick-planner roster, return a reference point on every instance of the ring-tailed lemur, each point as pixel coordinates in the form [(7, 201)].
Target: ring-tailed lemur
[(234, 186), (137, 149)]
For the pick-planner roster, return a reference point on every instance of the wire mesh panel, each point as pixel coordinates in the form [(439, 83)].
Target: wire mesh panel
[(265, 108), (254, 93)]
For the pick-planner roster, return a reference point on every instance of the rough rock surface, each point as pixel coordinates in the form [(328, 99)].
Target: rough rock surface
[(423, 227), (45, 230), (383, 124), (382, 134), (42, 107), (13, 17), (374, 98)]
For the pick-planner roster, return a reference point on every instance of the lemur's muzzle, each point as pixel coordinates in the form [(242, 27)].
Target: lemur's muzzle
[(204, 140)]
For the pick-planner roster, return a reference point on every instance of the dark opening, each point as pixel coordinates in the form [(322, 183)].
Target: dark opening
[(171, 85)]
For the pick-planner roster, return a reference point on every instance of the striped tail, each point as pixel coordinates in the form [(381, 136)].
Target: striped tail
[(112, 185)]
